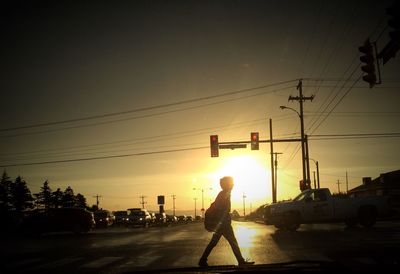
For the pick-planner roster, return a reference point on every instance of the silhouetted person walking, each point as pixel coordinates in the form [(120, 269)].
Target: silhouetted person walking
[(223, 204)]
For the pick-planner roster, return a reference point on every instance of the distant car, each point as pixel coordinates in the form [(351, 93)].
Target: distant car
[(198, 218), (153, 217), (103, 218), (121, 217), (189, 218), (75, 220), (182, 218), (138, 217), (172, 219), (161, 218)]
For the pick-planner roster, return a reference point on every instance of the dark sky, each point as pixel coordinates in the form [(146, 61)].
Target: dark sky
[(64, 61)]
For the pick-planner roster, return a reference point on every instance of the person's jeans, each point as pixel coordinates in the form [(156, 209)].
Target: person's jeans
[(227, 232)]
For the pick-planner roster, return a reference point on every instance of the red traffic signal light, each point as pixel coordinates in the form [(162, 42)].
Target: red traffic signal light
[(368, 59), (303, 185), (254, 141), (214, 145)]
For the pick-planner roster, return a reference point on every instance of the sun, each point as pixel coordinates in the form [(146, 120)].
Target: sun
[(251, 179)]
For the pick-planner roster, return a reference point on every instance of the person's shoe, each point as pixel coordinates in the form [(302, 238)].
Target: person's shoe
[(246, 262), (203, 263)]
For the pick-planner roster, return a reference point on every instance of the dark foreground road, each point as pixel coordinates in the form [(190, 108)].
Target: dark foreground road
[(119, 250)]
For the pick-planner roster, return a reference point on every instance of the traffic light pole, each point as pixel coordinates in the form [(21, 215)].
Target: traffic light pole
[(272, 162)]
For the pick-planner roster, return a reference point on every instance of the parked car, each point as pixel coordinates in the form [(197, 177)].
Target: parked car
[(121, 217), (103, 218), (138, 217), (75, 220)]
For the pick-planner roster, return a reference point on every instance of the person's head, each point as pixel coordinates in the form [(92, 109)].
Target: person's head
[(226, 183)]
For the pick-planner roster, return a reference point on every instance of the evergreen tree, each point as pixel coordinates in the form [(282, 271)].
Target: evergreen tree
[(5, 192), (68, 198), (21, 195), (80, 201), (44, 197), (56, 198)]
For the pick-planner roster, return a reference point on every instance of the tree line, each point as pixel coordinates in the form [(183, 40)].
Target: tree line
[(15, 196)]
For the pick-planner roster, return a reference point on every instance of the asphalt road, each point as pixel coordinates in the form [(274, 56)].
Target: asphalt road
[(119, 250)]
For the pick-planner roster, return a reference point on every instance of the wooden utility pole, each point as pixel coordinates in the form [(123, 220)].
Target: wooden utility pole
[(276, 174), (272, 162), (338, 186), (142, 202), (97, 200), (301, 99), (173, 202)]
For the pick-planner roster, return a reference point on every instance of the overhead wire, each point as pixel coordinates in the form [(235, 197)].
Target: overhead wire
[(146, 108)]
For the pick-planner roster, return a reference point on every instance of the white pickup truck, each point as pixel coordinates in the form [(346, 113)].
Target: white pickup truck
[(319, 206)]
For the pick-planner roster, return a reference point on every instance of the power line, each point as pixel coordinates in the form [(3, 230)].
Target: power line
[(146, 108), (142, 116), (103, 157)]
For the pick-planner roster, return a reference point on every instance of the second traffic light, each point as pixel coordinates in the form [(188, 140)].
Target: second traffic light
[(214, 145), (254, 141), (368, 59)]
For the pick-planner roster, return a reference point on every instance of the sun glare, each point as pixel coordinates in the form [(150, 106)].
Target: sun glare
[(250, 178)]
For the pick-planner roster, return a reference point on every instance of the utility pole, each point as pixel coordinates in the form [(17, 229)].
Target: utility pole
[(347, 183), (97, 200), (173, 202), (142, 202), (272, 162), (307, 159), (315, 182), (276, 174), (195, 207), (244, 205), (301, 99), (338, 186), (316, 163)]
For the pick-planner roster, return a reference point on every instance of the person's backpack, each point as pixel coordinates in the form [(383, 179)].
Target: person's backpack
[(212, 218)]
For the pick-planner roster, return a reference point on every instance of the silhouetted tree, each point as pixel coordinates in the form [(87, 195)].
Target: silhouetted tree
[(56, 198), (80, 201), (68, 198), (44, 197), (5, 192), (21, 195)]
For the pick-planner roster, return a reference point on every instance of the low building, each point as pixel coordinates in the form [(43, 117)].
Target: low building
[(387, 184)]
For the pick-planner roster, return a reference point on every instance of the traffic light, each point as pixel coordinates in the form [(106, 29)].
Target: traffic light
[(303, 185), (214, 145), (369, 60), (393, 46), (254, 141), (394, 22)]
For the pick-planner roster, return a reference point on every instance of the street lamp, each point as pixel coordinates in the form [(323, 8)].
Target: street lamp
[(195, 207), (317, 166), (202, 199), (303, 153)]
